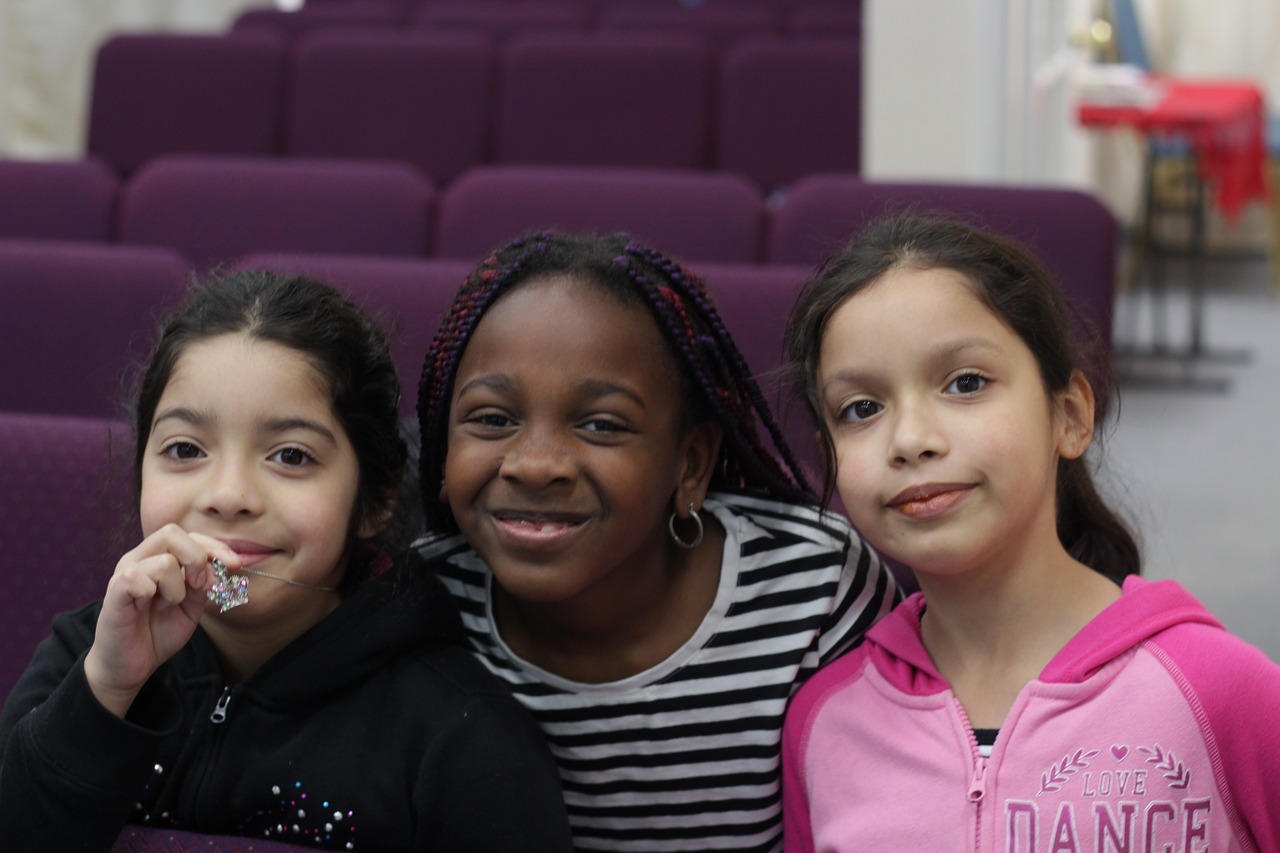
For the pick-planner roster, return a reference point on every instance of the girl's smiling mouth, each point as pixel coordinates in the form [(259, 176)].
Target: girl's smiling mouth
[(537, 529), (927, 502)]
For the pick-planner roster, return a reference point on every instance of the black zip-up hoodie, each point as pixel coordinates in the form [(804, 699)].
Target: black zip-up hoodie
[(375, 730)]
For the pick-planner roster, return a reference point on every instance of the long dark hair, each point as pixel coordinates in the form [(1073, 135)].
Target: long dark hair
[(338, 338), (714, 379), (1018, 289)]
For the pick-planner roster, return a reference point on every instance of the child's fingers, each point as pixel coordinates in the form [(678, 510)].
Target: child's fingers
[(217, 548), (144, 579)]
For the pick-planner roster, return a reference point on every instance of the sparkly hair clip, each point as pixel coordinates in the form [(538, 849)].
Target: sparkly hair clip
[(228, 591)]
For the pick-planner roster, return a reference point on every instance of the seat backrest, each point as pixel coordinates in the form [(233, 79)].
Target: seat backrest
[(499, 19), (788, 108), (409, 298), (691, 215), (317, 17), (592, 99), (421, 98), (214, 210), (755, 300), (156, 94), (76, 317), (1071, 232), (829, 18), (57, 199), (63, 484), (720, 25)]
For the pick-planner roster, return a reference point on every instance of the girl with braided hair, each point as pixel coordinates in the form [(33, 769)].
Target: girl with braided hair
[(628, 553)]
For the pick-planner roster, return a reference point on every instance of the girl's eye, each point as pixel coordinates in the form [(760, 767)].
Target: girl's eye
[(860, 410), (492, 420), (968, 383), (293, 457), (602, 425), (181, 450)]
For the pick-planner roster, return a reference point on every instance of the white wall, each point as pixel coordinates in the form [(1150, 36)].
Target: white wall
[(46, 60), (971, 90), (979, 90)]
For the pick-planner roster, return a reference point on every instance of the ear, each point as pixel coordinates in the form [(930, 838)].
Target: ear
[(698, 455), (1075, 405)]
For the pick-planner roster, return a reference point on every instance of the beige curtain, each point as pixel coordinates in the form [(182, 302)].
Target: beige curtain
[(46, 61)]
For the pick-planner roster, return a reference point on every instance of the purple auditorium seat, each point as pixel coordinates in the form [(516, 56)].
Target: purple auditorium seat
[(708, 216), (788, 108), (421, 98), (720, 25), (755, 301), (598, 100), (64, 486), (1071, 232), (825, 18), (157, 94), (346, 16), (409, 297), (76, 317), (498, 19), (57, 199), (216, 209)]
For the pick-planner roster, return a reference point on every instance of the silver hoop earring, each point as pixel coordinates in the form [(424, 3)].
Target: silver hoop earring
[(671, 528)]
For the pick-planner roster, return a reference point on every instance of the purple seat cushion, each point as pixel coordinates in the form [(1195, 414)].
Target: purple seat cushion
[(720, 25), (592, 99), (408, 297), (790, 108), (163, 93), (755, 301), (347, 16), (57, 199), (214, 210), (1071, 232), (692, 215), (349, 99), (64, 490), (76, 318)]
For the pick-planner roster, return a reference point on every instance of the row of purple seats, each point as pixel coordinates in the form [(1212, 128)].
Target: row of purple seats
[(105, 297), (773, 110), (718, 23), (215, 209)]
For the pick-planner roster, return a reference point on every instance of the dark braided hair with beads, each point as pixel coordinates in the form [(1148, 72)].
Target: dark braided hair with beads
[(714, 377)]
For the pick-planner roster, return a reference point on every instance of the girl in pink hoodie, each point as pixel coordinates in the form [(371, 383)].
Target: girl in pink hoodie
[(1036, 695)]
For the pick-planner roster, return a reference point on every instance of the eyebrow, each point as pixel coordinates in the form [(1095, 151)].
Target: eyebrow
[(183, 414), (591, 388), (197, 418), (946, 351), (288, 424)]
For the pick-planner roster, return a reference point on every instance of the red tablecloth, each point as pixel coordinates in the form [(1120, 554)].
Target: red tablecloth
[(1224, 123)]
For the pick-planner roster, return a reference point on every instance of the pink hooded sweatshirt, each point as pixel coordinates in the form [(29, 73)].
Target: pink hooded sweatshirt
[(1152, 731)]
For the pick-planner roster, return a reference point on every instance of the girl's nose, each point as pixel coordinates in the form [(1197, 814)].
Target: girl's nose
[(537, 460), (917, 435), (231, 490)]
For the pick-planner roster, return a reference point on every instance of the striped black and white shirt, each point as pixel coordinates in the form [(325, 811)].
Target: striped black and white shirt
[(685, 756)]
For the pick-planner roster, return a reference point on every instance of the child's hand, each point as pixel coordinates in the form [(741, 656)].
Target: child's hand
[(150, 610)]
